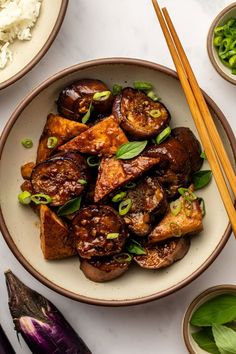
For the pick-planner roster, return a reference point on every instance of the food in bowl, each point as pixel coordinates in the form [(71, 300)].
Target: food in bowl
[(214, 324), (113, 183), (225, 43), (17, 18)]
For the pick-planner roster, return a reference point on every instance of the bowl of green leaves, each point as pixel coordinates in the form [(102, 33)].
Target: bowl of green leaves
[(209, 324), (221, 43)]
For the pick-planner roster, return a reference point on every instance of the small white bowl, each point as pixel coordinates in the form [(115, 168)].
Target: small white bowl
[(188, 329), (26, 54), (227, 13)]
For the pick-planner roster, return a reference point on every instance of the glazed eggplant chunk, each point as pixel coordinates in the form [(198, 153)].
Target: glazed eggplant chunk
[(187, 222), (114, 173), (191, 145), (74, 100), (59, 178), (139, 115), (148, 203), (99, 231), (101, 270), (174, 168), (163, 254), (26, 170), (104, 138)]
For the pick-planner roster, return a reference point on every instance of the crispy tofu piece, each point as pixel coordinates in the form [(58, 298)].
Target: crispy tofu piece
[(186, 222), (103, 138), (113, 173), (27, 169), (63, 129), (56, 241)]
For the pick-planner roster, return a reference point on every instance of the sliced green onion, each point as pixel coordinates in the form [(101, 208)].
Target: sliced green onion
[(143, 85), (93, 161), (134, 247), (82, 181), (112, 235), (123, 257), (119, 197), (217, 41), (52, 142), (27, 143), (152, 95), (24, 197), (87, 114), (187, 194), (41, 198), (202, 206), (232, 61), (69, 207), (101, 96), (203, 155), (116, 89), (124, 206), (163, 135), (188, 208), (130, 185), (155, 113), (175, 207), (175, 228)]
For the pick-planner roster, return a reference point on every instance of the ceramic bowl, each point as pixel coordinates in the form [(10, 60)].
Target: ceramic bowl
[(227, 13), (188, 329), (19, 224), (27, 54)]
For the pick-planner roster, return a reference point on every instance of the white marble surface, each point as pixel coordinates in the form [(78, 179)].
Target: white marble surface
[(128, 28)]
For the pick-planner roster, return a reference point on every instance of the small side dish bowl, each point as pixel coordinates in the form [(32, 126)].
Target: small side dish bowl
[(226, 14), (20, 226), (206, 295), (26, 54)]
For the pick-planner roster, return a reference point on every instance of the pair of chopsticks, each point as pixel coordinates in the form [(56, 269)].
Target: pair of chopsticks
[(205, 125)]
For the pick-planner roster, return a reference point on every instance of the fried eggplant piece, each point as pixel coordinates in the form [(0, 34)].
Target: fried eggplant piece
[(60, 128), (187, 221), (59, 177), (75, 99), (27, 169), (163, 254), (114, 173), (56, 240), (148, 204), (191, 145), (139, 115), (174, 168), (101, 270), (104, 138), (26, 186), (99, 231)]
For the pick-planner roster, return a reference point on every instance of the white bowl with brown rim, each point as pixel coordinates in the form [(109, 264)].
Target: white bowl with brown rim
[(19, 223), (26, 54), (206, 295), (227, 13)]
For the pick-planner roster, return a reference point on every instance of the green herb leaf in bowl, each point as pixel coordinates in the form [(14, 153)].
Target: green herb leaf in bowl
[(205, 340), (219, 310), (225, 339)]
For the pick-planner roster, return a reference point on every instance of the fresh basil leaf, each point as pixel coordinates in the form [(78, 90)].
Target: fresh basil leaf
[(219, 310), (131, 149), (69, 207), (201, 179), (203, 155), (225, 338), (204, 338), (135, 248)]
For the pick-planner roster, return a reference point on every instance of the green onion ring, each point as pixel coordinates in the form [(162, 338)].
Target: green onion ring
[(122, 257), (119, 197), (124, 206), (163, 135), (41, 198), (24, 197), (52, 142), (27, 143), (101, 96), (93, 161)]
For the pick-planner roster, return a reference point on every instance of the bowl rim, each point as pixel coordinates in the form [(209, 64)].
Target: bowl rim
[(194, 303), (6, 234), (209, 43), (42, 51)]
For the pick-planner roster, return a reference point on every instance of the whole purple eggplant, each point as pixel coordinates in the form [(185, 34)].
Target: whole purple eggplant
[(5, 345), (43, 327)]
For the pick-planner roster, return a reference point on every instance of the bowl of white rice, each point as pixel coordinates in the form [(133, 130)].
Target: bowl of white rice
[(27, 30)]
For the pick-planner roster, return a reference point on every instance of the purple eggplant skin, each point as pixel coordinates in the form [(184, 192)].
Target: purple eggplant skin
[(43, 327), (5, 345)]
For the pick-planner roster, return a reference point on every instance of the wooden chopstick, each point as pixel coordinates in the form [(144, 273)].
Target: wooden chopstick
[(200, 125), (206, 115)]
